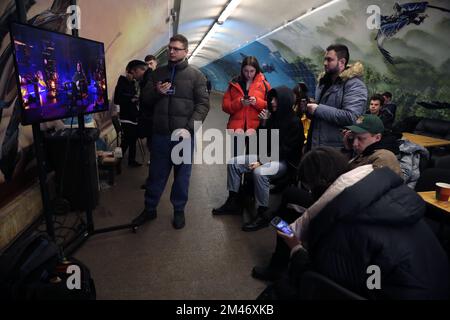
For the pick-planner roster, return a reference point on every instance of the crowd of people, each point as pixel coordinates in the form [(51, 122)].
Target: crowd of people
[(351, 208)]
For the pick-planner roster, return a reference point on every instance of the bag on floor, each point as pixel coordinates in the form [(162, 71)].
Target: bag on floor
[(31, 269)]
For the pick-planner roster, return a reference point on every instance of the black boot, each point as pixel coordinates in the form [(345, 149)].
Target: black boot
[(273, 271), (144, 217), (178, 220), (231, 206), (259, 222)]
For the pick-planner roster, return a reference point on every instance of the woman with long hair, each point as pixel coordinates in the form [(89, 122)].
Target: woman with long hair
[(246, 96)]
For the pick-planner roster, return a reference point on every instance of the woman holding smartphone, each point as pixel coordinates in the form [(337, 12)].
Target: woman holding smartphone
[(246, 97)]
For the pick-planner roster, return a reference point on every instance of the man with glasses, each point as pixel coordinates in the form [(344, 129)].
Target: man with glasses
[(177, 96)]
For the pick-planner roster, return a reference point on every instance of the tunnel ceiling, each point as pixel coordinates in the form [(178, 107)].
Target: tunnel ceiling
[(250, 20)]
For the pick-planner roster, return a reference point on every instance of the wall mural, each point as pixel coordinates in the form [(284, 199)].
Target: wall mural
[(408, 55), (126, 36)]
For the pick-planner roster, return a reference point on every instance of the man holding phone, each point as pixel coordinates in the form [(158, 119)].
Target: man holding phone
[(177, 96)]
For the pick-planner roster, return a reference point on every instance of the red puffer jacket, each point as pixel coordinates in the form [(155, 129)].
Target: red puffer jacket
[(241, 116)]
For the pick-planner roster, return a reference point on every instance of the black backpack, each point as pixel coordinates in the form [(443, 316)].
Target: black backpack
[(32, 269)]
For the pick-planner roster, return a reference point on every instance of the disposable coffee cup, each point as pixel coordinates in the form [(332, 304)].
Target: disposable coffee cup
[(442, 191)]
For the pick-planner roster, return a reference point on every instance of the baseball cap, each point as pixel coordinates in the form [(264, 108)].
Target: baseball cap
[(367, 123)]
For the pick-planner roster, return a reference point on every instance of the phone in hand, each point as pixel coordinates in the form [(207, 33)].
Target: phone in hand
[(246, 97), (171, 90), (282, 226)]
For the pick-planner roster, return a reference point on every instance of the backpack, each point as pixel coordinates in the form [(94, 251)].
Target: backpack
[(32, 269)]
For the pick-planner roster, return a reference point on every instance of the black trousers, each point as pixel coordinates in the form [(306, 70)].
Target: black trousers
[(281, 256), (129, 140)]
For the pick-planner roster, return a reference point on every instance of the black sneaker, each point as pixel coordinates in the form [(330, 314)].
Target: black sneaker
[(134, 164), (144, 217), (267, 273), (178, 220), (231, 206), (258, 223)]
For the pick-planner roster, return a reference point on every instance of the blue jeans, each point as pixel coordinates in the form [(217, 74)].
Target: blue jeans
[(159, 171), (261, 176)]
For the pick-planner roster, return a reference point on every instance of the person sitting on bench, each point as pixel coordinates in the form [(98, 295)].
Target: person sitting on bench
[(279, 116)]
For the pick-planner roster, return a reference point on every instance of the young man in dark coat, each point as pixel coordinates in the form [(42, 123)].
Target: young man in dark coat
[(291, 139), (367, 219), (126, 95), (177, 96)]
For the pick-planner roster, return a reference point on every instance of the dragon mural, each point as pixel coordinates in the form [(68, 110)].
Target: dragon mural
[(405, 14)]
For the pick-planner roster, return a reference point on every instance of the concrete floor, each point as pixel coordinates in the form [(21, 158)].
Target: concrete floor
[(211, 258)]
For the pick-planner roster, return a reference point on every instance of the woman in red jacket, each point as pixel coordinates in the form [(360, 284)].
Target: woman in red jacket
[(246, 96)]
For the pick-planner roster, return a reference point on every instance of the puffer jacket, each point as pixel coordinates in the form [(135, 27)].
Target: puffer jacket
[(378, 221), (409, 158), (245, 117), (340, 106), (178, 111)]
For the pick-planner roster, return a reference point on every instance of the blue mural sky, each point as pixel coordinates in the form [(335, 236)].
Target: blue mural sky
[(276, 69)]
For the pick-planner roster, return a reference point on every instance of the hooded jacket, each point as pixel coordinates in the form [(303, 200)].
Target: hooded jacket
[(339, 106), (241, 116), (291, 136), (378, 221), (189, 103)]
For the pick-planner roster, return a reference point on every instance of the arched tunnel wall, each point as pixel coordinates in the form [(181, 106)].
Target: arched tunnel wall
[(294, 53)]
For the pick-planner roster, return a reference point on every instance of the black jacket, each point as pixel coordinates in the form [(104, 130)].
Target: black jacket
[(124, 92), (145, 119), (386, 117), (291, 136), (189, 103), (379, 221)]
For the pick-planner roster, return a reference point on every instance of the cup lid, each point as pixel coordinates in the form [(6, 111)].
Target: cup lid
[(443, 185)]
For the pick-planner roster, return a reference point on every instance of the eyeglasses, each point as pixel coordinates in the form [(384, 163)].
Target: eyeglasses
[(170, 48)]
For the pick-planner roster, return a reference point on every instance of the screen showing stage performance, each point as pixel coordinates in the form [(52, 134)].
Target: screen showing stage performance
[(59, 76)]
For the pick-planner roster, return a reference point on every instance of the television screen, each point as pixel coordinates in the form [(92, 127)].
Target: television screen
[(59, 76)]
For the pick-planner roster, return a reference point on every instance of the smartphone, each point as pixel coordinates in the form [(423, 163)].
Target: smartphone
[(246, 97), (282, 226), (171, 90)]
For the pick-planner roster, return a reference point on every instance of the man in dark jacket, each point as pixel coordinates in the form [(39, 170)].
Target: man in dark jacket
[(126, 95), (291, 140), (178, 96), (379, 222), (388, 104), (341, 98), (146, 112)]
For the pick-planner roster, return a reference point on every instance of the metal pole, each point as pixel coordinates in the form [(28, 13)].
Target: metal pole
[(39, 148)]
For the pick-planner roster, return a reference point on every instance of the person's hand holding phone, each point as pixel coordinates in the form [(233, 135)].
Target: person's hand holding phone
[(254, 165), (264, 114), (348, 139), (252, 101), (291, 240), (163, 87), (245, 100)]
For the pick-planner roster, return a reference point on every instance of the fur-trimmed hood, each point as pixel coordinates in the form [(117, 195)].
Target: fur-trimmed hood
[(351, 71)]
